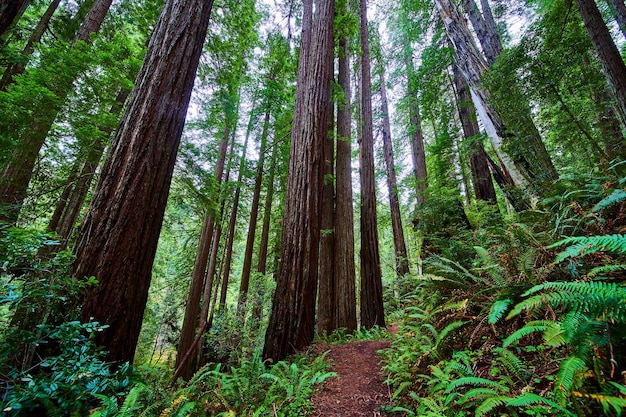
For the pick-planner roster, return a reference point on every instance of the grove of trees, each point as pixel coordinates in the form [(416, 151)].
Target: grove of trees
[(191, 184)]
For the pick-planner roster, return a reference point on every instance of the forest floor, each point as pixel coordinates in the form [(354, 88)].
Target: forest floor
[(359, 389)]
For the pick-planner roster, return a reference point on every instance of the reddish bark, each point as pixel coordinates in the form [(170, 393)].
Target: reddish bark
[(118, 239), (372, 311)]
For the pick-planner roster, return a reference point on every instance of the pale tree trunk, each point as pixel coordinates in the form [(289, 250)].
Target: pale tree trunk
[(372, 311), (610, 58), (118, 239), (345, 270), (481, 176), (292, 322), (267, 213), (17, 173), (533, 167), (402, 260), (19, 67), (192, 309)]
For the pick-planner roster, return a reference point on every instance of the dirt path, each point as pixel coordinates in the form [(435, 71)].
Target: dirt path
[(359, 389)]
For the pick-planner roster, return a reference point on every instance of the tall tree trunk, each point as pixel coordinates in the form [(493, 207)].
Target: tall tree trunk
[(529, 169), (418, 152), (292, 321), (71, 201), (481, 176), (10, 12), (254, 214), (372, 311), (118, 239), (345, 270), (402, 260), (17, 68), (17, 173), (485, 28), (192, 309), (610, 58), (620, 10), (325, 296), (267, 213)]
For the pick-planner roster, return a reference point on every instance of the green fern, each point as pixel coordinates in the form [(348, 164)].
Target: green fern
[(530, 327), (514, 364), (449, 328), (489, 404), (603, 270), (585, 245), (618, 196), (475, 381), (570, 376), (498, 309), (528, 398)]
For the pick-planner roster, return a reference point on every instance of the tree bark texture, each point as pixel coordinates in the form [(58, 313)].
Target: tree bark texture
[(402, 260), (118, 239), (326, 283), (35, 38), (372, 311), (530, 168), (610, 57), (267, 213), (345, 270), (481, 176), (485, 27), (292, 320), (17, 173), (10, 12)]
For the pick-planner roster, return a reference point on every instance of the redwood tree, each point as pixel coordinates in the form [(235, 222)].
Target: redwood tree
[(372, 311), (118, 238), (292, 320)]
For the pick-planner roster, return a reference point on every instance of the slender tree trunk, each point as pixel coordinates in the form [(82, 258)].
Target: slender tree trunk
[(620, 10), (192, 309), (10, 12), (402, 260), (372, 311), (292, 321), (531, 167), (16, 175), (267, 213), (71, 201), (485, 28), (325, 296), (118, 239), (35, 38), (609, 55), (254, 214), (481, 176), (345, 270), (418, 152)]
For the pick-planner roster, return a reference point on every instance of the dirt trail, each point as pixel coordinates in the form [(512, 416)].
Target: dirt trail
[(358, 390)]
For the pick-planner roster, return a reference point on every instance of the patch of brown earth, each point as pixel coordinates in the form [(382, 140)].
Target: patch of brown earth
[(359, 389)]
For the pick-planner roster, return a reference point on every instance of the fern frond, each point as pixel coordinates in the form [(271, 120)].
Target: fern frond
[(477, 394), (530, 327), (618, 196), (530, 398), (498, 309), (475, 381), (584, 245), (489, 404), (449, 328), (569, 377), (514, 364), (527, 304), (606, 269)]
